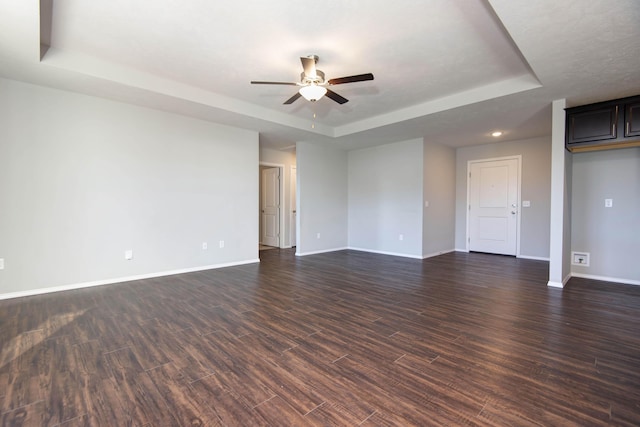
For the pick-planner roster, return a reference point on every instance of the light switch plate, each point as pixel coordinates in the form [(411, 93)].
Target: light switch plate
[(526, 203), (1, 263)]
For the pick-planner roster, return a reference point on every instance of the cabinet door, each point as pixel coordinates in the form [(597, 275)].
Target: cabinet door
[(632, 120), (592, 124)]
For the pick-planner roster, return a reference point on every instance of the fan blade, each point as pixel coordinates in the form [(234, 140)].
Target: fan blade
[(309, 65), (351, 79), (339, 99), (292, 99), (274, 83)]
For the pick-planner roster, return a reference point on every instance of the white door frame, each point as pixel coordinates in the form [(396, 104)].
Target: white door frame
[(280, 166), (517, 157), (293, 210)]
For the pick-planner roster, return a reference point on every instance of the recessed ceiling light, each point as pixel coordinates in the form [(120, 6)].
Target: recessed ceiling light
[(496, 133)]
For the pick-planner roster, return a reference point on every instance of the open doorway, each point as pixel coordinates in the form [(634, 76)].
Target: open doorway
[(270, 207)]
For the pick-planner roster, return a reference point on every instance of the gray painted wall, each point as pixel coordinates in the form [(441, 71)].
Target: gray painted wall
[(440, 191), (322, 198), (611, 235), (82, 179), (536, 187), (385, 198), (567, 216)]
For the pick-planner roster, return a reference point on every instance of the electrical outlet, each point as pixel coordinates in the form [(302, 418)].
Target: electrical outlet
[(608, 203), (1, 263), (221, 244), (401, 237), (204, 246), (526, 203), (317, 235), (128, 254), (426, 203)]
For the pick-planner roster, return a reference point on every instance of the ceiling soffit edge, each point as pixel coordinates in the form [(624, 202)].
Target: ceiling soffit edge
[(94, 67), (482, 93)]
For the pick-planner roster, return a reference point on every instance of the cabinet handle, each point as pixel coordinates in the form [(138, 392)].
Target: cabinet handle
[(628, 130), (613, 130)]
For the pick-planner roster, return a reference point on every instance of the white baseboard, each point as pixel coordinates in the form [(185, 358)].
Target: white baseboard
[(373, 251), (606, 278), (319, 252), (536, 258), (431, 255), (386, 253), (560, 285), (70, 287)]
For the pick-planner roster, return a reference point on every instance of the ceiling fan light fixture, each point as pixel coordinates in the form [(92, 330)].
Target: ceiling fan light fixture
[(312, 83), (313, 92)]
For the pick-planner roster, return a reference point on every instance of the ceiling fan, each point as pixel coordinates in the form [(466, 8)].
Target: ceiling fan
[(313, 85)]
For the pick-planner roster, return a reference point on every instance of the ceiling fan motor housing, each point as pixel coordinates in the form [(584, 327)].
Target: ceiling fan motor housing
[(318, 79)]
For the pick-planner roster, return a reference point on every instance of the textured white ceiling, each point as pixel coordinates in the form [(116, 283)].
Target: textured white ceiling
[(448, 70)]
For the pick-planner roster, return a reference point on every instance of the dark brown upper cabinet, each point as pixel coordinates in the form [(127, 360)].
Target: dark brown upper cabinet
[(593, 124), (605, 125), (632, 119)]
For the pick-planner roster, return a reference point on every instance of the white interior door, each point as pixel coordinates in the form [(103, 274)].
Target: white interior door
[(270, 209), (493, 206), (293, 218)]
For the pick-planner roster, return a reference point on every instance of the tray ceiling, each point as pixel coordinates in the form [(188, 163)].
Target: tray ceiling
[(450, 71)]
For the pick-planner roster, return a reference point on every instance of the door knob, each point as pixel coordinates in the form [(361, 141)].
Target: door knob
[(513, 212)]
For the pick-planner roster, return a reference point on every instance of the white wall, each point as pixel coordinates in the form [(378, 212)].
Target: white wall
[(611, 235), (440, 192), (560, 214), (385, 198), (322, 198), (287, 159), (536, 188), (82, 179)]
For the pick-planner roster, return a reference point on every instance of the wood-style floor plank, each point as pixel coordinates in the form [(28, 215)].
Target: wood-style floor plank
[(345, 338)]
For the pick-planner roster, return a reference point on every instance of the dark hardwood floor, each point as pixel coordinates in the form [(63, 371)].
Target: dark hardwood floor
[(343, 338)]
